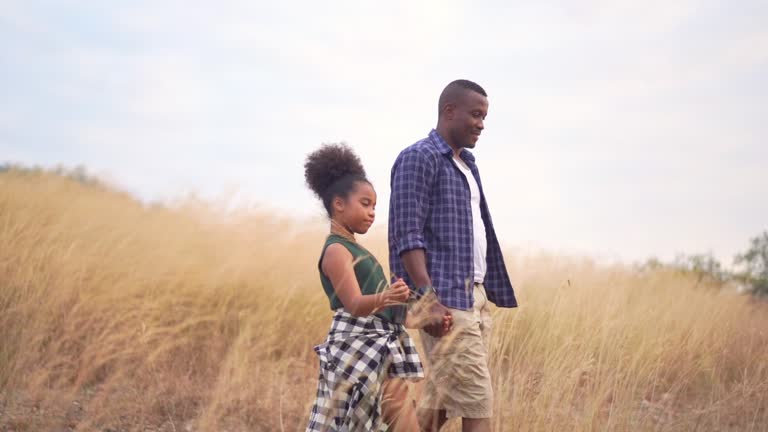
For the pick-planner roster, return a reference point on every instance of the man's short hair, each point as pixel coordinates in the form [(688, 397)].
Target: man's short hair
[(453, 90)]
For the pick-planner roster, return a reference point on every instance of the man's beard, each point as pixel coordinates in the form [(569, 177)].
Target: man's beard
[(463, 141)]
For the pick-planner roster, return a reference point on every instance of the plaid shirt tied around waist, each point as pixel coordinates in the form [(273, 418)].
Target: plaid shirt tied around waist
[(354, 359), (430, 209)]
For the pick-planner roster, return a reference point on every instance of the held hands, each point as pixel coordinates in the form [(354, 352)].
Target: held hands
[(440, 320), (428, 313)]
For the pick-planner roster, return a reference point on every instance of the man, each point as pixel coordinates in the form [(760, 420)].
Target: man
[(441, 239)]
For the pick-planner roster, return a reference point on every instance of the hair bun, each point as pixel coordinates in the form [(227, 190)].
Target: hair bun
[(330, 163)]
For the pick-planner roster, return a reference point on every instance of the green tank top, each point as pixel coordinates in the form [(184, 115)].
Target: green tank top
[(369, 274)]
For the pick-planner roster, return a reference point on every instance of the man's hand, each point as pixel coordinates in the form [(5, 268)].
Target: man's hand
[(427, 312), (432, 316), (440, 322)]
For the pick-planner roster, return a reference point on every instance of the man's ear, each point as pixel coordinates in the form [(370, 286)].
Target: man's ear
[(449, 110)]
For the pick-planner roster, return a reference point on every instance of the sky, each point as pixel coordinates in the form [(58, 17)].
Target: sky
[(617, 129)]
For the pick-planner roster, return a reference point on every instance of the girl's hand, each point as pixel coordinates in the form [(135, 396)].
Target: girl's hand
[(447, 322), (397, 293)]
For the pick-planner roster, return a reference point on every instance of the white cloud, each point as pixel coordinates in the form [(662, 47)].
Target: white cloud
[(603, 114)]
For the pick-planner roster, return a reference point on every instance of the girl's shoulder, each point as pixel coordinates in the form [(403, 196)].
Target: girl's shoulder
[(337, 248), (334, 254), (346, 248)]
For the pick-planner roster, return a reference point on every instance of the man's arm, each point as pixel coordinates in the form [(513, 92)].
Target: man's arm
[(435, 318), (412, 180), (415, 263)]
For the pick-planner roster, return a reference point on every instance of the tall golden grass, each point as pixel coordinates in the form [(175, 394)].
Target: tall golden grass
[(118, 316)]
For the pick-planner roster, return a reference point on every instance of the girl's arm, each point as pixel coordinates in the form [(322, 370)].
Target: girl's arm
[(338, 267)]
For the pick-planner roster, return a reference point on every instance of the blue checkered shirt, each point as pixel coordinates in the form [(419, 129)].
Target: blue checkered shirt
[(430, 209)]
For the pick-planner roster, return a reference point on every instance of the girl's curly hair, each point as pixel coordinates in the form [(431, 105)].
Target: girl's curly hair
[(331, 171)]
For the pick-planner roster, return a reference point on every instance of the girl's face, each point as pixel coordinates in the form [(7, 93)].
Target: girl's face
[(358, 211)]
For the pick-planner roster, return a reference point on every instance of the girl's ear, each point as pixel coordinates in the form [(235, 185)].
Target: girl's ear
[(338, 204)]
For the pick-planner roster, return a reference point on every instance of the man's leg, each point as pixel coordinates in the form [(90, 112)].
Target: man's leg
[(432, 420), (439, 385), (398, 407), (476, 425), (458, 378), (441, 381), (482, 308)]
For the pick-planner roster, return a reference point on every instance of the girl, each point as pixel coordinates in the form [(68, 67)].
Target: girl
[(367, 344)]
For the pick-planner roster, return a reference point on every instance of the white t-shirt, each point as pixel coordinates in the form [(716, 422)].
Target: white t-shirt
[(478, 226)]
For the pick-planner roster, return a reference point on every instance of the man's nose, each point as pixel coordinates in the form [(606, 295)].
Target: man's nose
[(480, 124)]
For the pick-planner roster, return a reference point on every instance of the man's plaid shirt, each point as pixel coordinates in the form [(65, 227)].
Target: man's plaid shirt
[(430, 209)]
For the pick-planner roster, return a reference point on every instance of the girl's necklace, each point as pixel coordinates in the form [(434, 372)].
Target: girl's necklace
[(342, 231)]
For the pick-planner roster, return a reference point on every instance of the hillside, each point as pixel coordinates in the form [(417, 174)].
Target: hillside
[(118, 316)]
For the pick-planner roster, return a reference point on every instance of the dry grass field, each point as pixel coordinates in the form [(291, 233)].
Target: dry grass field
[(116, 316)]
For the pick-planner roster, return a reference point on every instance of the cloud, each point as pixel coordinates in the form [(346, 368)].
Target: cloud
[(613, 124)]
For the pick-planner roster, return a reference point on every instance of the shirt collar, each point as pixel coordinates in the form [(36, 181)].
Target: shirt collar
[(444, 148)]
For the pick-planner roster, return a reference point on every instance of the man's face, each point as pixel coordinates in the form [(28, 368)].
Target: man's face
[(467, 119)]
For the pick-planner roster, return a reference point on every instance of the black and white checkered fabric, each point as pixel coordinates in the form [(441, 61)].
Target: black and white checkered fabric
[(353, 360)]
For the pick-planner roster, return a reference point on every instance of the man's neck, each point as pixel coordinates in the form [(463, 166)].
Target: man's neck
[(447, 138)]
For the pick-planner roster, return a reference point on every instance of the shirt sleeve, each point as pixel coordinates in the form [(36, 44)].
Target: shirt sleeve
[(412, 179)]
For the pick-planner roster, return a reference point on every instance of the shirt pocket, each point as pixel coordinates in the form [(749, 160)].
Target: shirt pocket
[(450, 189)]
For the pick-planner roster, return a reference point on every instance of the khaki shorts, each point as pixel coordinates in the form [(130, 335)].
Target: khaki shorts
[(458, 379)]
